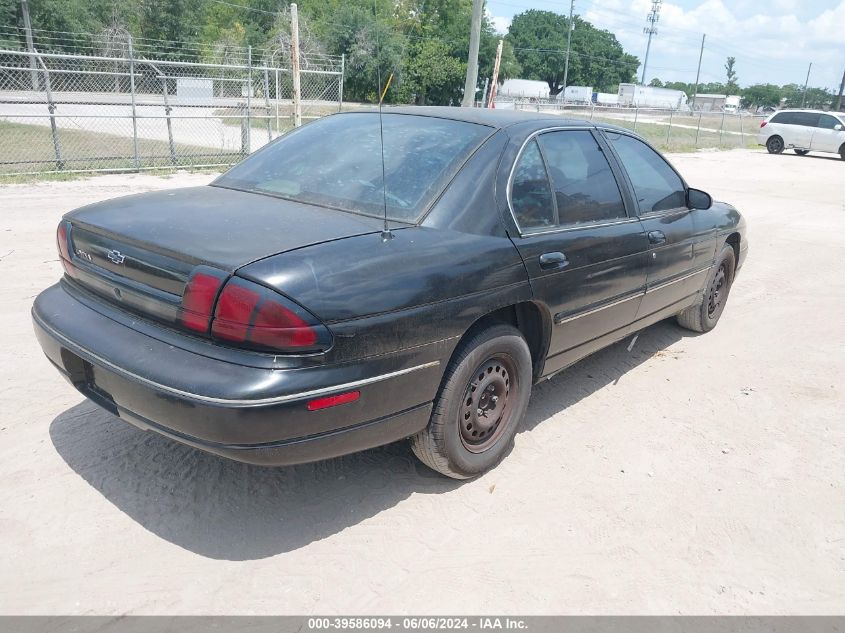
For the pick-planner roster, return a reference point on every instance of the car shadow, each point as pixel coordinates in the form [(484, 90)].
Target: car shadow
[(227, 510)]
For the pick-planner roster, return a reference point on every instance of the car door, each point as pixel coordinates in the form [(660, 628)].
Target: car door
[(585, 255), (801, 131), (677, 257), (826, 138)]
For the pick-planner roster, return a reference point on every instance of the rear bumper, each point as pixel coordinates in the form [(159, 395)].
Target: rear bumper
[(251, 414)]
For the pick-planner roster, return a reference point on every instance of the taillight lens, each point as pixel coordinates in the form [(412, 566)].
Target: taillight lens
[(64, 248), (198, 298), (256, 317), (763, 124)]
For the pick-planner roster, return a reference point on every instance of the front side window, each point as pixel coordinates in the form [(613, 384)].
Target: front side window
[(585, 188), (531, 195), (656, 185), (828, 122), (337, 162)]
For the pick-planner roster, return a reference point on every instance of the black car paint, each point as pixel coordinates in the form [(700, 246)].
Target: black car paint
[(396, 308)]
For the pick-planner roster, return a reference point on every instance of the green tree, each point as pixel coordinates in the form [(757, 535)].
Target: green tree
[(656, 83), (432, 75), (761, 95), (731, 87), (596, 59)]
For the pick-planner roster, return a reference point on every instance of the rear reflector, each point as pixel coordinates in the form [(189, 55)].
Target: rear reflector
[(198, 298), (763, 124), (254, 316), (333, 401)]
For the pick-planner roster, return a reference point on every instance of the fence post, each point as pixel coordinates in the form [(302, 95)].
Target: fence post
[(340, 88), (248, 103), (669, 131), (698, 129), (278, 98), (267, 102), (57, 149), (721, 128), (294, 64), (167, 110), (741, 133), (636, 115), (592, 110), (134, 113)]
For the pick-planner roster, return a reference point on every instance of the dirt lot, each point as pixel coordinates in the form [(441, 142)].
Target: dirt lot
[(693, 474)]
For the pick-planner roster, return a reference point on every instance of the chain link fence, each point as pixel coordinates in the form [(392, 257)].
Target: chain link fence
[(128, 112), (667, 129)]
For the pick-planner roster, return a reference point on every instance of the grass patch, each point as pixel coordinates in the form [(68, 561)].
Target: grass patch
[(30, 148)]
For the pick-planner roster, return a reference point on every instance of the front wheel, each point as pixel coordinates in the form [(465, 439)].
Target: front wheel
[(774, 145), (480, 404), (704, 314)]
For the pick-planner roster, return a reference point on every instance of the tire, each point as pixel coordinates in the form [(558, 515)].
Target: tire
[(491, 371), (842, 152), (704, 314), (775, 145), (802, 152)]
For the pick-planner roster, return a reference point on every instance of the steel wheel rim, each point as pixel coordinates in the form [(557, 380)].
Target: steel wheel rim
[(717, 291), (486, 409), (776, 144)]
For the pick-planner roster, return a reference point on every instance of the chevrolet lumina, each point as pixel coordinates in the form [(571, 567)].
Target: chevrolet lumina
[(329, 294)]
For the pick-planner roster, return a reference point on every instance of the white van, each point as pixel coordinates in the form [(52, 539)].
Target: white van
[(804, 131)]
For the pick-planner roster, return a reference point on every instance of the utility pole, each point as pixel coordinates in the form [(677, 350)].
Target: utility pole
[(651, 30), (568, 47), (27, 25), (294, 64), (698, 72), (472, 63), (494, 82), (841, 90), (806, 81)]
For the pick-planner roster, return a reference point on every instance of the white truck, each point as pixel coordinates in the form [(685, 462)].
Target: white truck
[(578, 94), (732, 103), (651, 97)]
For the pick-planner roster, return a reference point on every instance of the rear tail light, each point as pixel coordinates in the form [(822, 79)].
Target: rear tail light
[(256, 317), (249, 315), (64, 248), (763, 124), (199, 296)]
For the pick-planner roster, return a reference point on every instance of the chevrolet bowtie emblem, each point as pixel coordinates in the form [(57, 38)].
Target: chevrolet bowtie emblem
[(116, 257)]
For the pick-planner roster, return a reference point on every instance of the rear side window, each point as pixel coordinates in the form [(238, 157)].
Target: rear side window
[(784, 117), (656, 185), (585, 188), (828, 122), (531, 195), (809, 119)]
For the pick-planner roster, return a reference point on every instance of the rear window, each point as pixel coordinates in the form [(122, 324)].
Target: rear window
[(337, 162), (809, 119)]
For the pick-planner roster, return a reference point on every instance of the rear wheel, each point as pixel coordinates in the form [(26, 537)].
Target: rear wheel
[(481, 402), (704, 314), (842, 152), (774, 145), (802, 152)]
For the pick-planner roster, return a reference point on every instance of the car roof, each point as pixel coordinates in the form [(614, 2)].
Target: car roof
[(485, 116), (812, 111)]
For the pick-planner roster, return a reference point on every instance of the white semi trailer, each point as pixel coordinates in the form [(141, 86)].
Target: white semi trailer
[(651, 97)]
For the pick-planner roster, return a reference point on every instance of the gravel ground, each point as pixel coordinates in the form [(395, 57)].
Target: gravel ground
[(693, 474)]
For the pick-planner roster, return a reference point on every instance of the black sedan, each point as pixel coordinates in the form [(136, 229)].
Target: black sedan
[(331, 294)]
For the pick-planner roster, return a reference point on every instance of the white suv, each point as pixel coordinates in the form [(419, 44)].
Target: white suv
[(804, 131)]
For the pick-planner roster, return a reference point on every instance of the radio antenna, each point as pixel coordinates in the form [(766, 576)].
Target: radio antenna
[(385, 232)]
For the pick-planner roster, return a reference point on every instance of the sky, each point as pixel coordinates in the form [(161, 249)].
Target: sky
[(774, 41)]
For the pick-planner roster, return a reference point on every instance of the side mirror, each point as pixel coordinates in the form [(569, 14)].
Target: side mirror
[(837, 127), (698, 199)]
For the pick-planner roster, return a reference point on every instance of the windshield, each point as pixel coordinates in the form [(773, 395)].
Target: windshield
[(336, 162)]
